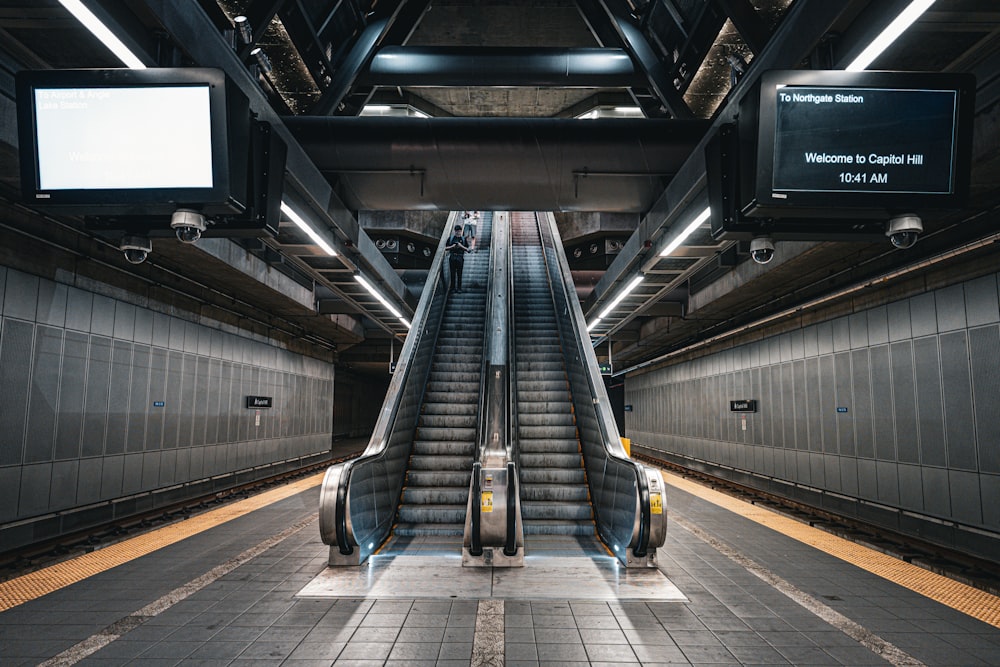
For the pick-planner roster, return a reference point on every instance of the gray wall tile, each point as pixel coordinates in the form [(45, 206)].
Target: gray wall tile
[(124, 321), (62, 492), (52, 299), (824, 337), (930, 402), (84, 399), (965, 497), (113, 477), (150, 470), (143, 326), (35, 482), (131, 479), (981, 301), (102, 321), (43, 400), (21, 296), (937, 497), (858, 326), (10, 492), (177, 329), (161, 330), (887, 476), (984, 347), (88, 487), (16, 339), (956, 376), (867, 480), (79, 309), (898, 314), (923, 316), (989, 486), (950, 305), (911, 494), (878, 326)]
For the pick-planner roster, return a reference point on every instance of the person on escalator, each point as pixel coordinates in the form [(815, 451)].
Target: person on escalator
[(456, 248), (470, 229)]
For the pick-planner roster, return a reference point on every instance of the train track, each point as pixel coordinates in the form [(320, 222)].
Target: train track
[(976, 572), (20, 561)]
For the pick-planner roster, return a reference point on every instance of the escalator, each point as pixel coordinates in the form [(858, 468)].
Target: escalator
[(554, 494), (436, 490), (580, 493), (496, 435), (412, 481)]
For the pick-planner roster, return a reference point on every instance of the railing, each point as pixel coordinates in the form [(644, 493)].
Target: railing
[(626, 496), (358, 498), (493, 534)]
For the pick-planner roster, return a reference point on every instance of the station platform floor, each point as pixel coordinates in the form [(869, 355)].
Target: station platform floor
[(736, 585)]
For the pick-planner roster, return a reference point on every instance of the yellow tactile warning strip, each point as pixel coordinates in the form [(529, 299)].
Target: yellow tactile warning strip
[(961, 597), (36, 584)]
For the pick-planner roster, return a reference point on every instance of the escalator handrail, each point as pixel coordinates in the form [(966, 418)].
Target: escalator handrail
[(378, 443), (483, 415), (605, 418)]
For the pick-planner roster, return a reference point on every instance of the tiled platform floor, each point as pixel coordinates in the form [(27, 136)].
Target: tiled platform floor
[(254, 616)]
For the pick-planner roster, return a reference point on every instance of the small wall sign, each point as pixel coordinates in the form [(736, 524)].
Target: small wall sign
[(744, 405), (158, 404), (628, 407), (839, 409), (255, 402)]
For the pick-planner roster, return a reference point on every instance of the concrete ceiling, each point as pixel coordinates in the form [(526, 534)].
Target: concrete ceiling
[(683, 49)]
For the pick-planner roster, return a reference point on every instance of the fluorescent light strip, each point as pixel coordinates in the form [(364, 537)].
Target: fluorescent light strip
[(375, 293), (594, 324), (621, 295), (889, 35), (304, 226), (101, 32), (673, 245)]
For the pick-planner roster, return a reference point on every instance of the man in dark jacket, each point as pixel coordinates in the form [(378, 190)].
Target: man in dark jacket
[(456, 248)]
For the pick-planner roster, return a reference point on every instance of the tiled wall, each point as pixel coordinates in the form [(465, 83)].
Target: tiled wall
[(894, 406), (101, 399)]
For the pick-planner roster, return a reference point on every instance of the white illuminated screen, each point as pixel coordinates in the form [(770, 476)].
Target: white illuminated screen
[(124, 138)]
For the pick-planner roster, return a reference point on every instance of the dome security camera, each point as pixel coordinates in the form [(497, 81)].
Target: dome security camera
[(903, 230), (136, 248), (188, 224), (762, 249)]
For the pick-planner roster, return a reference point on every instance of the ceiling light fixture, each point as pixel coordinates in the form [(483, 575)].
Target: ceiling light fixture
[(889, 35), (243, 30), (378, 295), (621, 295), (263, 62), (695, 224), (304, 226), (103, 33)]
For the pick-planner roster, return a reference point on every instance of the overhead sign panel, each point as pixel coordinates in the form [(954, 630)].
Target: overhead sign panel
[(835, 144), (864, 140)]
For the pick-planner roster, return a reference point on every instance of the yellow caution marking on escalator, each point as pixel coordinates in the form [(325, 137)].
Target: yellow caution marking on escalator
[(961, 597), (49, 579)]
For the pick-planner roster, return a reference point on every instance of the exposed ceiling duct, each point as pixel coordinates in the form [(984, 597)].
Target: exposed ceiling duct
[(544, 164)]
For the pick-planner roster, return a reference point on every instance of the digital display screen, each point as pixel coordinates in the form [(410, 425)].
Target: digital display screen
[(857, 139), (123, 138)]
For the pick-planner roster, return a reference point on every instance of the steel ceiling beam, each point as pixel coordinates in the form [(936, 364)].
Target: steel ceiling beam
[(645, 55), (305, 186), (751, 27), (356, 60), (801, 30)]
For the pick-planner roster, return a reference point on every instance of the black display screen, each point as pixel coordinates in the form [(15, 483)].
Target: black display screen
[(838, 144), (864, 140)]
